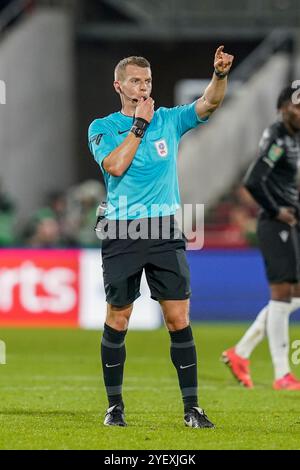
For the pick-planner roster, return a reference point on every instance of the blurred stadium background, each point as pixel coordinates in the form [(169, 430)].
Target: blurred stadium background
[(56, 63), (56, 71)]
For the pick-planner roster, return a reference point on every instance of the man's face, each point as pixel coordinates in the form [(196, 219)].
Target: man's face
[(291, 114), (136, 83)]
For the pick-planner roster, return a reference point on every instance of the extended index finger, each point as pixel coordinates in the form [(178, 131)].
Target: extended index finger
[(219, 50)]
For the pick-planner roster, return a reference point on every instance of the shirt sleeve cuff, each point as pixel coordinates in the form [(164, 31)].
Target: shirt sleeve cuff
[(197, 117)]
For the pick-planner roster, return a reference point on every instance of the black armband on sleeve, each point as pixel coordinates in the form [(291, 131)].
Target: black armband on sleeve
[(139, 127)]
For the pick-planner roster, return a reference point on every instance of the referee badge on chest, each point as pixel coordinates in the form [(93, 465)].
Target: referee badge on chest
[(161, 148)]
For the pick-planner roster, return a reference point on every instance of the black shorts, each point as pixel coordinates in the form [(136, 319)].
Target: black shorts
[(280, 246), (163, 259)]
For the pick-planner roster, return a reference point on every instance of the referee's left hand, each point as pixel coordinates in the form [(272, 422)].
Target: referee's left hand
[(223, 61)]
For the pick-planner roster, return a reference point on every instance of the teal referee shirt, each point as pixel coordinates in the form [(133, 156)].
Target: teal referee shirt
[(149, 187)]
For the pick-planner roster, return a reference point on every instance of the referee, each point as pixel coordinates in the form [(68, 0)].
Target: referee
[(136, 149), (272, 181)]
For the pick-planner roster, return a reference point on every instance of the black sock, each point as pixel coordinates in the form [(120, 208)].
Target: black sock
[(184, 358), (113, 355)]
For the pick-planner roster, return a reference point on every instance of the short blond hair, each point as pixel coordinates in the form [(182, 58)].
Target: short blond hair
[(133, 60)]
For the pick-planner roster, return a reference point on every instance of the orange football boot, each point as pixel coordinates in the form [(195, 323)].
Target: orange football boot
[(238, 366), (288, 382)]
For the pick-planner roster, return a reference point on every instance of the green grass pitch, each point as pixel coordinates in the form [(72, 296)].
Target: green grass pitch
[(52, 395)]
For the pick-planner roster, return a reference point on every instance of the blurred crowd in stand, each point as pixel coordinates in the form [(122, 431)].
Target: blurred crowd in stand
[(7, 219), (66, 219), (231, 222)]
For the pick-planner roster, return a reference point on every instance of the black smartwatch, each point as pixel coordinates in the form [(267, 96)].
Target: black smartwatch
[(139, 127)]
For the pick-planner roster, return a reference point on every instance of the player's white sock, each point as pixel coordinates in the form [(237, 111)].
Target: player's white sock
[(278, 335), (254, 335), (257, 331), (295, 304)]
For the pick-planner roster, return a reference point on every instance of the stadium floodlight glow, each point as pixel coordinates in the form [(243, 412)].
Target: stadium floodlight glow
[(2, 92), (2, 353)]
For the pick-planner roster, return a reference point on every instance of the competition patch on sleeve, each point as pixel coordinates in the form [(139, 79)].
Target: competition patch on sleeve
[(275, 152)]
